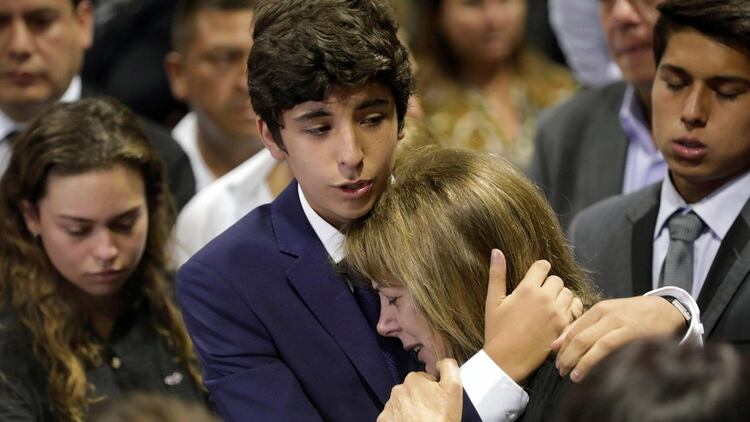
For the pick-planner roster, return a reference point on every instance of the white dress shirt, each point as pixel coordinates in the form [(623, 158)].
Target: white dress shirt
[(221, 204), (495, 396), (186, 134)]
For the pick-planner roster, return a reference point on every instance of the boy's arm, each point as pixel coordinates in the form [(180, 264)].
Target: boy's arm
[(241, 368), (612, 323)]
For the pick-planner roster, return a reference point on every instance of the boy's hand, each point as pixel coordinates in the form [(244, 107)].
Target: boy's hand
[(422, 398), (519, 328), (610, 324)]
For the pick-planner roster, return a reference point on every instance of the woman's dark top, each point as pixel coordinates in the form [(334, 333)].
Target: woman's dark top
[(546, 392), (136, 358)]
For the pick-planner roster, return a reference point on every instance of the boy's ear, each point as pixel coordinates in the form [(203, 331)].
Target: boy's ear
[(265, 135), (30, 215)]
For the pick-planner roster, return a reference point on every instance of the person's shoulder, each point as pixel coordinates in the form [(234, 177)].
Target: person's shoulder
[(583, 105), (610, 213), (252, 234)]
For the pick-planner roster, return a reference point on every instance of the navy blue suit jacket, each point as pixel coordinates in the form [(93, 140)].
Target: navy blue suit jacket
[(278, 331)]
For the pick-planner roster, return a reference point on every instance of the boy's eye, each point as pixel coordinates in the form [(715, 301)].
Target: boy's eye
[(674, 85), (317, 130), (373, 119), (727, 95), (730, 91)]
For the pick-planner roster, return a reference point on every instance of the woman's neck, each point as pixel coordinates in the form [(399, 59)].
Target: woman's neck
[(482, 74), (102, 312)]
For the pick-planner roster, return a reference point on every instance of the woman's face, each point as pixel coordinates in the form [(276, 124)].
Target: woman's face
[(93, 227), (483, 30), (400, 317)]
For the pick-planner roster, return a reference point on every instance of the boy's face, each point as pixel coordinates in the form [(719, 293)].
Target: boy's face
[(701, 113), (340, 150)]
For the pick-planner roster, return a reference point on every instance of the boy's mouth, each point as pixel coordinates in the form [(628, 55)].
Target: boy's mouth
[(689, 149), (356, 189)]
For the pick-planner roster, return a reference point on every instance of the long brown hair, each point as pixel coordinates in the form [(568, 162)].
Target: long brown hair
[(433, 229), (71, 139)]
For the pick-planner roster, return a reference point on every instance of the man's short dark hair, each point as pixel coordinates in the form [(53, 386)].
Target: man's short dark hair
[(726, 21), (183, 23), (302, 49)]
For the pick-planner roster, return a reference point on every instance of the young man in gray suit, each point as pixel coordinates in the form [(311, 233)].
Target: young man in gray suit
[(599, 143), (701, 109)]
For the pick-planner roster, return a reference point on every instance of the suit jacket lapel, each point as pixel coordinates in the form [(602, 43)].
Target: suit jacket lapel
[(729, 269), (326, 293), (643, 217)]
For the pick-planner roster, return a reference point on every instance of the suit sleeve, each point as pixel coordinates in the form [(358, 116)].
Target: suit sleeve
[(242, 369), (539, 167)]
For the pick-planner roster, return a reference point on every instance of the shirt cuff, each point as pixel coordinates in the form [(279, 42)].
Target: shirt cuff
[(694, 334), (495, 396)]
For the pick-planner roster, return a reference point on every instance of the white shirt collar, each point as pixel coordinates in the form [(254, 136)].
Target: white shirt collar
[(718, 210), (332, 239), (73, 93)]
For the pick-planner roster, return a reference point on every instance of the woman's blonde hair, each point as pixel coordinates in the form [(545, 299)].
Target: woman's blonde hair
[(433, 229), (71, 139)]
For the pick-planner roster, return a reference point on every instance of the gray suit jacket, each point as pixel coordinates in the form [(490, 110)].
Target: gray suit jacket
[(614, 239), (580, 151)]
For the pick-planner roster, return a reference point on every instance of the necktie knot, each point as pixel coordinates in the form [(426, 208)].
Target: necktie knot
[(685, 227)]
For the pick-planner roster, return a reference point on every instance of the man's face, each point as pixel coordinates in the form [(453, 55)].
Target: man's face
[(340, 150), (701, 113), (41, 49), (629, 26), (211, 74)]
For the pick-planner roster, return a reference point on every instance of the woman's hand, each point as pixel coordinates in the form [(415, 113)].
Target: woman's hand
[(520, 327)]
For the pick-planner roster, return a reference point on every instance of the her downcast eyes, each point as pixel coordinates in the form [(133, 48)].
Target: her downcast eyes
[(76, 231)]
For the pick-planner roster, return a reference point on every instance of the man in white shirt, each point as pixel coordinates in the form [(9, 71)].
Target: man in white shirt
[(207, 69), (211, 40)]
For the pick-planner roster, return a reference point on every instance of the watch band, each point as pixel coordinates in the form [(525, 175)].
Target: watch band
[(680, 307)]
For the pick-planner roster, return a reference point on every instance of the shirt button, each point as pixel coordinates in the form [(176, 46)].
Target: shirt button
[(116, 363)]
